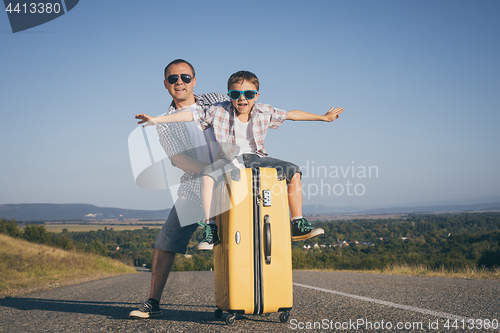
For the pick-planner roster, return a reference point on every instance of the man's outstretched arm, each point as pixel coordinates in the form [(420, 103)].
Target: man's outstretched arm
[(331, 115), (184, 116)]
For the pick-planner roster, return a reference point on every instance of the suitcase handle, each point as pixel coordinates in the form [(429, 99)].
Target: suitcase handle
[(267, 239)]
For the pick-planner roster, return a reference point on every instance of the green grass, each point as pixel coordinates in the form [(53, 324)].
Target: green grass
[(25, 265)]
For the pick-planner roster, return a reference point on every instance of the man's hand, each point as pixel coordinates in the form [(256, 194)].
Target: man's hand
[(145, 119), (333, 114)]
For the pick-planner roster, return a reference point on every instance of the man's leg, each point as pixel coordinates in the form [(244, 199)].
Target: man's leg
[(172, 239), (161, 265)]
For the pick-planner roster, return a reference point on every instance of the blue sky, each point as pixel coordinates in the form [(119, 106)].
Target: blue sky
[(419, 82)]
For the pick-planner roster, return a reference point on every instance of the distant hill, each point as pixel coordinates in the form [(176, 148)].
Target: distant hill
[(435, 209), (321, 209), (55, 212)]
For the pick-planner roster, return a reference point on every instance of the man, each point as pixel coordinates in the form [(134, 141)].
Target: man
[(181, 143)]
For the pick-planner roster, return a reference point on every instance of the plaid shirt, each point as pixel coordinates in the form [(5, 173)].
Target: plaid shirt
[(221, 118), (175, 139)]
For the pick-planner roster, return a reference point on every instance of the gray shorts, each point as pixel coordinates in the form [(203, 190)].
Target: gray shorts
[(219, 167), (173, 237)]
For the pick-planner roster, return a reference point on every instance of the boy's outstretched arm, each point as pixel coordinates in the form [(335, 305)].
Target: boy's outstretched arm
[(331, 115), (184, 116)]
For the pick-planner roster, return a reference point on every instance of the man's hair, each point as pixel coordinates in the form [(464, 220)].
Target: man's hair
[(241, 76), (179, 61)]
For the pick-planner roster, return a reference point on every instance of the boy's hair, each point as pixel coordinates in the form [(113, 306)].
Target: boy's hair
[(241, 76), (179, 61)]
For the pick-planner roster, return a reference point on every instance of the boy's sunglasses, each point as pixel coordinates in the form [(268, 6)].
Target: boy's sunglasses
[(186, 78), (249, 94)]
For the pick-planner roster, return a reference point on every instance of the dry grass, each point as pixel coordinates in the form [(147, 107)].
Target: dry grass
[(25, 265), (468, 273)]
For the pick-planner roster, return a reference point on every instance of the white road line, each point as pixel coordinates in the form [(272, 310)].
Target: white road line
[(394, 305)]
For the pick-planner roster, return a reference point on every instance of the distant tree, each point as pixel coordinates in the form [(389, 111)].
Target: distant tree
[(96, 247), (65, 243), (489, 259), (10, 228), (201, 263), (38, 234)]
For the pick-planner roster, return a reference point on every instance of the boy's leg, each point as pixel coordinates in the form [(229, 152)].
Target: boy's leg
[(301, 228), (295, 196), (209, 175), (207, 194), (210, 237)]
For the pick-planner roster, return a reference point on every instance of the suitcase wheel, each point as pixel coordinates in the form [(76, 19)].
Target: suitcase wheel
[(284, 316), (218, 313), (230, 319)]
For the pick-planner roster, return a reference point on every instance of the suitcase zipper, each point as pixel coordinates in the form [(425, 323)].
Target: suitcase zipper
[(258, 297)]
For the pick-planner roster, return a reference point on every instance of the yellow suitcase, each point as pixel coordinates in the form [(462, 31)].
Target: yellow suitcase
[(253, 262)]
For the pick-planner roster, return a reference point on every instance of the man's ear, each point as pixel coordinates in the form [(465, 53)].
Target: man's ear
[(194, 82)]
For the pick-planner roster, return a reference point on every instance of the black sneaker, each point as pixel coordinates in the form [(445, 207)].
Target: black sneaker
[(302, 230), (147, 310), (210, 238)]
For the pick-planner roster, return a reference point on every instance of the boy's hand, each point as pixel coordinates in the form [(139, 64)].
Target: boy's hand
[(333, 114), (145, 119)]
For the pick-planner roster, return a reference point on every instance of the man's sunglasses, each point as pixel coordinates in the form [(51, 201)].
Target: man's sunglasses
[(249, 94), (186, 78)]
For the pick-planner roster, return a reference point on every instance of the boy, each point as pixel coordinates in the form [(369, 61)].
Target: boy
[(240, 127)]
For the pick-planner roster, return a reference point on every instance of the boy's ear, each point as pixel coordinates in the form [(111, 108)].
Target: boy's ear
[(257, 96)]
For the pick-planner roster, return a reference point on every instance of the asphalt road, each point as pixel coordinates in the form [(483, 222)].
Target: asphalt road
[(323, 301)]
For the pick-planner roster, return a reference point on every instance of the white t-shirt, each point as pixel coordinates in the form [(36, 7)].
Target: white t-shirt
[(244, 136), (202, 139)]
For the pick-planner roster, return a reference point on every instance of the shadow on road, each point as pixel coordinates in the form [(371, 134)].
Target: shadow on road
[(202, 314), (115, 310), (111, 309)]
